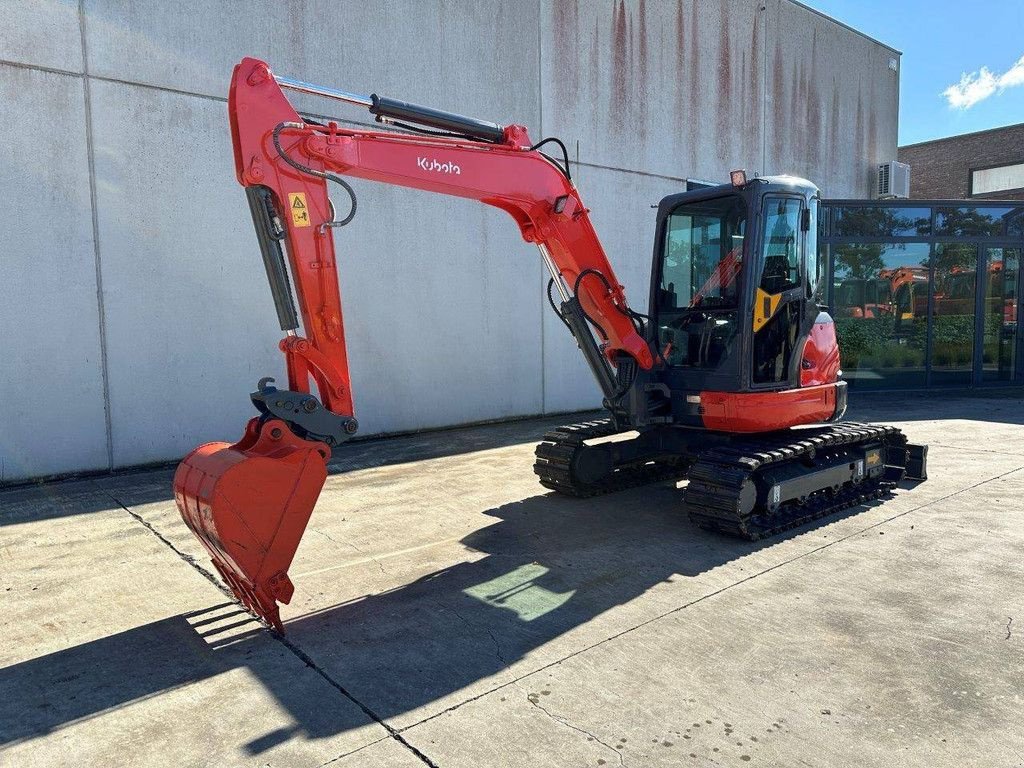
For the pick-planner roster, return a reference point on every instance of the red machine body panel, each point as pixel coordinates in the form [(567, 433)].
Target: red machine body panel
[(820, 361), (750, 412)]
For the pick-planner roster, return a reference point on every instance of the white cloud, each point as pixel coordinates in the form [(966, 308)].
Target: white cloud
[(978, 86), (1014, 75)]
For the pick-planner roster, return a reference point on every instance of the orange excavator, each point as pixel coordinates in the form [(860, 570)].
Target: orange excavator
[(712, 384)]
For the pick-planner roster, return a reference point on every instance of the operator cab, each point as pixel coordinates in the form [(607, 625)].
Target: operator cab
[(735, 276)]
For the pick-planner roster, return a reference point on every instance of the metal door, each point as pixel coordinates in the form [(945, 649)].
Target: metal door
[(998, 350)]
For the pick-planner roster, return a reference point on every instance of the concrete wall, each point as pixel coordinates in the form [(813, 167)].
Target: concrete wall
[(134, 308)]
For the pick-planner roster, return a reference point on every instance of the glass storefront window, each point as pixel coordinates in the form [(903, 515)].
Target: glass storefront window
[(881, 221), (919, 305), (999, 342), (954, 282), (979, 221), (880, 304)]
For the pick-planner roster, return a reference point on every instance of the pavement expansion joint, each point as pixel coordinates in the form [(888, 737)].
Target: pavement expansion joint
[(295, 649), (392, 731), (170, 545), (351, 752), (532, 698)]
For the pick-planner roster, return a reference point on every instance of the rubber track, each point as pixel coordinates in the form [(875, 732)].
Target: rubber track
[(712, 496), (558, 447)]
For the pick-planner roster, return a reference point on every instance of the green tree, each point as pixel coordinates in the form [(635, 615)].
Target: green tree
[(950, 257), (861, 260), (968, 222), (879, 221)]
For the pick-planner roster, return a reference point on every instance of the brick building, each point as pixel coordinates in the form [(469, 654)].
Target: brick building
[(986, 165)]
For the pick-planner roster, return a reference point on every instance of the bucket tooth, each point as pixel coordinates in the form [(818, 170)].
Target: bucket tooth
[(249, 504)]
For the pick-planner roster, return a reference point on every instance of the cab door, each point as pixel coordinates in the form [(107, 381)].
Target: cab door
[(780, 293)]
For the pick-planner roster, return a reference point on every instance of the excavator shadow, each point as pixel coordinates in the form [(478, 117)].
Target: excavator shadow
[(549, 577), (552, 567)]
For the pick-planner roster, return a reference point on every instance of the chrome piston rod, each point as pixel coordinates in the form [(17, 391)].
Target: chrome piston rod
[(320, 90)]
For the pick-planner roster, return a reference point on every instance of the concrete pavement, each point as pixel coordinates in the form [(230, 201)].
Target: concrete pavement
[(449, 613)]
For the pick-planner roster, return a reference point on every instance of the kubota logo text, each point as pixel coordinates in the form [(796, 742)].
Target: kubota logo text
[(438, 167)]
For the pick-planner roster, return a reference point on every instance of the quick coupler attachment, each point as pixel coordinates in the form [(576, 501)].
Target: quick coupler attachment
[(304, 413)]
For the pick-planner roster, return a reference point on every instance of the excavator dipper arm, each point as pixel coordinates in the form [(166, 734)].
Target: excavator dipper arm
[(249, 502)]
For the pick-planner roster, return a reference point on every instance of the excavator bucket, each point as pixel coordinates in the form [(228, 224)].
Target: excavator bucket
[(249, 503)]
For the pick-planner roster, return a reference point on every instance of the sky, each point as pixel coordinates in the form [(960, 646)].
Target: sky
[(962, 68)]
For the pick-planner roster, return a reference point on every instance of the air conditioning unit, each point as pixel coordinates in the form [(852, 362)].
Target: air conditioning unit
[(893, 180)]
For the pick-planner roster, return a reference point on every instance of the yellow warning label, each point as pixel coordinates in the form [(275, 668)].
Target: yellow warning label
[(300, 212), (765, 305)]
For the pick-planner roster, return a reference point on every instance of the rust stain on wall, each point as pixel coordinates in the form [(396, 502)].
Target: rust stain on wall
[(776, 118), (745, 83), (680, 46), (696, 90), (641, 81), (757, 54), (797, 132), (594, 64), (620, 49), (834, 149), (871, 150), (566, 29), (297, 35), (724, 140), (858, 131), (814, 109), (693, 120), (755, 101)]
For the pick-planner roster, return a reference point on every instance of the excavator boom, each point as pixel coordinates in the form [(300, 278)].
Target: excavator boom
[(249, 502)]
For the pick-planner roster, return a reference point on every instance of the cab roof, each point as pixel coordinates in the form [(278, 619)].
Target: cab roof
[(762, 185)]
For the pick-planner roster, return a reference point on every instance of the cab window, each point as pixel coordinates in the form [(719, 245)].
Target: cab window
[(702, 255), (699, 286), (777, 306), (780, 262)]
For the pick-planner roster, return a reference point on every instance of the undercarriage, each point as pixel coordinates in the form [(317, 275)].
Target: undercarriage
[(751, 486)]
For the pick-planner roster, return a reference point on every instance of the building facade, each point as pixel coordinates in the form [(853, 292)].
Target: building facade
[(925, 293), (136, 311), (983, 165)]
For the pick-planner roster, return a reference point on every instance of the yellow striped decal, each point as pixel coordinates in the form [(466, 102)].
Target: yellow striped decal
[(765, 305)]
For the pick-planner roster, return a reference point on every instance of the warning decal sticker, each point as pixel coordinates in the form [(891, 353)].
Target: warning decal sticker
[(300, 213)]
